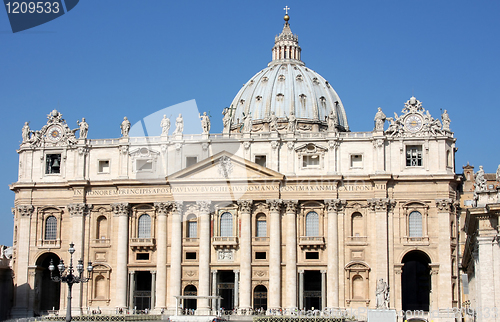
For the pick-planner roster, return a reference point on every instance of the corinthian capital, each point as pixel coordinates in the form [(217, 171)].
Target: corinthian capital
[(381, 204), (334, 205), (274, 204), (245, 206), (162, 208), (204, 206), (177, 207), (78, 209), (121, 209), (291, 206), (25, 210), (444, 205)]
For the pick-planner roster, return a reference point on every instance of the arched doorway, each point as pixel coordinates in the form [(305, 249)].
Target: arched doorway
[(260, 297), (416, 281), (47, 292), (190, 304)]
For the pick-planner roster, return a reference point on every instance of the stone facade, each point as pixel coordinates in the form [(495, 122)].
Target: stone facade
[(307, 215)]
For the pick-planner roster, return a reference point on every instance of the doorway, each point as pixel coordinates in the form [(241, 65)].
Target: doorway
[(416, 281)]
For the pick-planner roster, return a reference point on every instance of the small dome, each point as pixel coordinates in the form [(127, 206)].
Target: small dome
[(286, 86)]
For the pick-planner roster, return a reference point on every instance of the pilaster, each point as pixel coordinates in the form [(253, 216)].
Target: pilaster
[(175, 255)]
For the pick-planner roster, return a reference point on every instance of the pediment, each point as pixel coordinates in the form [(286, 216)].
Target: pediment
[(225, 166)]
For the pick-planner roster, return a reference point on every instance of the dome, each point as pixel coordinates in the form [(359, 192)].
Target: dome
[(287, 86)]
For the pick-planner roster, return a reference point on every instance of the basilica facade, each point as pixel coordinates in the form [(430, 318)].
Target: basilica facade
[(286, 208)]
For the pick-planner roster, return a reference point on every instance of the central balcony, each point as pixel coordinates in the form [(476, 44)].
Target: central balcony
[(225, 242)]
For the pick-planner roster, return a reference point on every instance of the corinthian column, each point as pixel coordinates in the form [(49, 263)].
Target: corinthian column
[(245, 291), (444, 208), (381, 207), (333, 207), (20, 308), (175, 255), (291, 254), (77, 212), (204, 263), (274, 254), (121, 211), (161, 256)]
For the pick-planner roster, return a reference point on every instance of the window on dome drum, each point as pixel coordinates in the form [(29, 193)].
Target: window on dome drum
[(261, 226), (191, 160), (144, 165), (53, 164), (415, 224), (260, 160), (51, 228), (226, 225), (310, 161), (192, 231), (312, 224), (144, 229), (356, 161), (414, 156)]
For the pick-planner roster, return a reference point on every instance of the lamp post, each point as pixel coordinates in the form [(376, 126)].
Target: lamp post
[(68, 277)]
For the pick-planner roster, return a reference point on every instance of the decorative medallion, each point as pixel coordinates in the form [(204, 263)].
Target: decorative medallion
[(413, 123), (54, 133), (225, 166)]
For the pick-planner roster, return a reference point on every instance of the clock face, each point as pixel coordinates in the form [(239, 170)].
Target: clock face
[(54, 133), (413, 123)]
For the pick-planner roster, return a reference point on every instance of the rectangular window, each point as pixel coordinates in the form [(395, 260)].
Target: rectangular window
[(142, 256), (260, 160), (103, 166), (414, 156), (144, 165), (356, 161), (191, 160), (260, 255), (312, 255), (53, 164), (191, 255), (310, 161)]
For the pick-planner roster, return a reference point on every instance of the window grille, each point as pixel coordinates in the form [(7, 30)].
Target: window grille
[(51, 228), (413, 156), (144, 226), (261, 228), (192, 229), (312, 224), (415, 224), (226, 225)]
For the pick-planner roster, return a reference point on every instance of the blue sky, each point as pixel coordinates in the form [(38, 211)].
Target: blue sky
[(108, 59)]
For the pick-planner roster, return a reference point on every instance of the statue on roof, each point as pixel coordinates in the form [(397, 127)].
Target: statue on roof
[(205, 122), (179, 125), (84, 128), (379, 120), (446, 121), (26, 132), (54, 117), (247, 123), (480, 183), (165, 125), (125, 127), (273, 122), (226, 119), (332, 121)]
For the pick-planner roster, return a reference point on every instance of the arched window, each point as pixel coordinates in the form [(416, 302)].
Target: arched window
[(102, 227), (358, 291), (261, 226), (51, 228), (357, 228), (144, 226), (415, 224), (192, 227), (312, 224), (226, 225)]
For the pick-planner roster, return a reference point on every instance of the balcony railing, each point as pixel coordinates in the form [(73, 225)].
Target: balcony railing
[(224, 241), (142, 243), (311, 241)]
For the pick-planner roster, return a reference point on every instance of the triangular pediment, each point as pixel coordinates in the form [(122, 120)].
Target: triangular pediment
[(225, 166)]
